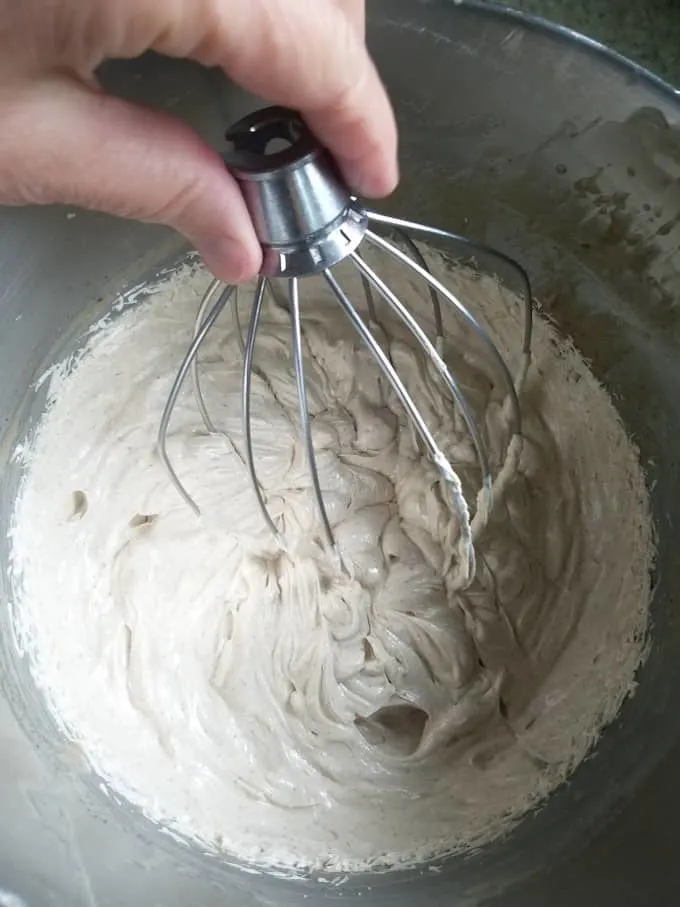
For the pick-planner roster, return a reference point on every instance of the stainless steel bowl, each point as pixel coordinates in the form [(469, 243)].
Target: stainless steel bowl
[(568, 158)]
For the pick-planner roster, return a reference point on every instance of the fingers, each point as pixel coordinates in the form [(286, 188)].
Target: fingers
[(356, 12), (62, 142), (308, 55), (317, 62)]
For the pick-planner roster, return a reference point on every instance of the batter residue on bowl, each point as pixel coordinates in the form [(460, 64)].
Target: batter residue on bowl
[(268, 706)]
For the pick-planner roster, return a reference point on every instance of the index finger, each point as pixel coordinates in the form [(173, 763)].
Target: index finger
[(304, 54)]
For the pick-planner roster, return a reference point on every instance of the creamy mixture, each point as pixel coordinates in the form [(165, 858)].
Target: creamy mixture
[(270, 706)]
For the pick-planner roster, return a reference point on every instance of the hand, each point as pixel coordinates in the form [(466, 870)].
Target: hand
[(63, 140)]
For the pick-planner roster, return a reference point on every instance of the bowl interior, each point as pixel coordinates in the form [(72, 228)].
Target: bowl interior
[(554, 152)]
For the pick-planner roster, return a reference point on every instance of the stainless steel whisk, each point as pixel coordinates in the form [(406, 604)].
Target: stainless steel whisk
[(307, 222)]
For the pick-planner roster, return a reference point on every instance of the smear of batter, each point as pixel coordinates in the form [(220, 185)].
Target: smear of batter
[(270, 707)]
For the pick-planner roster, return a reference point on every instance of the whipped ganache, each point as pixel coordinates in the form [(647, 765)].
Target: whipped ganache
[(277, 709)]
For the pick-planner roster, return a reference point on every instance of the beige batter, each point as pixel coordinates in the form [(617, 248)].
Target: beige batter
[(270, 707)]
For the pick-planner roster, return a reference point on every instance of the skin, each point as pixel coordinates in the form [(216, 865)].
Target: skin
[(63, 140)]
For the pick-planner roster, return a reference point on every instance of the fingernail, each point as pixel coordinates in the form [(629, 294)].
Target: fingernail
[(377, 183), (229, 259)]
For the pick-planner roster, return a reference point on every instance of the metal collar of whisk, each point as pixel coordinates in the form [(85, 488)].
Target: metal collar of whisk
[(307, 221), (303, 214)]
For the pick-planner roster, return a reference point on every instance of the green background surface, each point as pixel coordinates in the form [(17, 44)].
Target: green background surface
[(647, 31)]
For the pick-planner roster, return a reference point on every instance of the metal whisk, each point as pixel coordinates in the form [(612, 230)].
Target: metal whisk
[(307, 222)]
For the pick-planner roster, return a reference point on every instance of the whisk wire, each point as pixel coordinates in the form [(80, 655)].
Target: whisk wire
[(305, 424), (398, 223), (184, 368), (420, 258), (237, 325), (213, 290), (368, 293), (248, 357), (448, 474), (455, 303), (400, 310)]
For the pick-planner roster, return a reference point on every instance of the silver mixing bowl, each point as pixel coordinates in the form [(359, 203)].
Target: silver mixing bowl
[(568, 158)]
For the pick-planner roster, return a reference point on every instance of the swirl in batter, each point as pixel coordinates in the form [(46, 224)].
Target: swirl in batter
[(269, 706)]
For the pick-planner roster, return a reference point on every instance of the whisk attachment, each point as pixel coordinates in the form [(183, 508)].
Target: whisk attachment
[(307, 222)]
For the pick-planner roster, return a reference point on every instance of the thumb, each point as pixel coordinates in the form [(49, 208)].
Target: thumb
[(64, 142)]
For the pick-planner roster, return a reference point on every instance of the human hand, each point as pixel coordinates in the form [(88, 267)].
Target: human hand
[(63, 140)]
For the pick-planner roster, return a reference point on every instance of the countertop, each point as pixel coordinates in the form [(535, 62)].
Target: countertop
[(647, 31)]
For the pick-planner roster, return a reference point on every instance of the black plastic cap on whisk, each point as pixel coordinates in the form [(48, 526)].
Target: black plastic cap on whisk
[(304, 214)]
